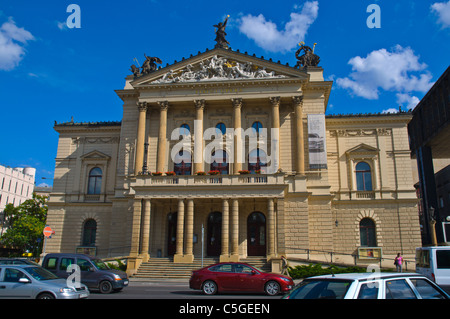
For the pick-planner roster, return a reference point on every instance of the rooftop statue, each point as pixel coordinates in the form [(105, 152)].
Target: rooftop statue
[(220, 34), (308, 58), (148, 66)]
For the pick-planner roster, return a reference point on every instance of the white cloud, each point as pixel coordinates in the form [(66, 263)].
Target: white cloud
[(62, 25), (407, 100), (12, 41), (442, 9), (386, 70), (267, 36)]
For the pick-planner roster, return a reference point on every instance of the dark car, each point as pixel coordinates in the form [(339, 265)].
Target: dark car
[(238, 277), (94, 272)]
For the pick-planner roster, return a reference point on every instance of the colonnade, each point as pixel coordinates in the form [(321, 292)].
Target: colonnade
[(237, 103), (140, 242)]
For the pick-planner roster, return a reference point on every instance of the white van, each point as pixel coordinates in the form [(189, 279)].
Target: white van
[(434, 263)]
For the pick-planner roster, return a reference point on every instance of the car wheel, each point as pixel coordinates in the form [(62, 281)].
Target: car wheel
[(105, 287), (209, 287), (272, 288), (45, 295)]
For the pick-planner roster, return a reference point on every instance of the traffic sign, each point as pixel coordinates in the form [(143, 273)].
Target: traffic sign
[(48, 231)]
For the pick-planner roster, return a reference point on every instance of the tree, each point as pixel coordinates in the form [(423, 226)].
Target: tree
[(24, 225)]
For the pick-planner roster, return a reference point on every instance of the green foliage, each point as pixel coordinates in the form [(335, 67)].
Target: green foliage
[(120, 265), (299, 272), (24, 225)]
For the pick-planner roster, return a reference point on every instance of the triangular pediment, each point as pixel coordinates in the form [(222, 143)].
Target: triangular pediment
[(362, 149), (219, 65), (95, 155)]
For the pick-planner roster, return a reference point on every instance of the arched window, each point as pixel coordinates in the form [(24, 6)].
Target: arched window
[(367, 232), (95, 181), (256, 159), (363, 177), (221, 128), (89, 233), (219, 162), (182, 163), (257, 127), (185, 129)]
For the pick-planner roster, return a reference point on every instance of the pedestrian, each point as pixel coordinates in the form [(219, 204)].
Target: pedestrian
[(284, 265), (398, 262)]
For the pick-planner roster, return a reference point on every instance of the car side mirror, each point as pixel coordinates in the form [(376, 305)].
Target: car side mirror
[(24, 280), (91, 268), (254, 272)]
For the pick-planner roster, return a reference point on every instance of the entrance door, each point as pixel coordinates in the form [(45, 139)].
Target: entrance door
[(256, 234), (214, 237), (172, 234)]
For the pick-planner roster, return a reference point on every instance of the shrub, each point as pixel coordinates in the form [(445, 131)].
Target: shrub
[(304, 271)]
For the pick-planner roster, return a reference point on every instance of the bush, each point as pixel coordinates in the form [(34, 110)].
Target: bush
[(299, 272), (120, 265)]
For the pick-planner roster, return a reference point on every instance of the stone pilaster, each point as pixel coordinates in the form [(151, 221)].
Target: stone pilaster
[(161, 160), (300, 144), (140, 137)]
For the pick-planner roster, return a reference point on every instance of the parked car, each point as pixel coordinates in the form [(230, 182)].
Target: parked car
[(94, 272), (368, 286), (17, 261), (434, 263), (238, 277), (29, 281)]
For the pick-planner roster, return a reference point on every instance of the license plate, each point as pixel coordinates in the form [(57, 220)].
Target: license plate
[(125, 282), (83, 295)]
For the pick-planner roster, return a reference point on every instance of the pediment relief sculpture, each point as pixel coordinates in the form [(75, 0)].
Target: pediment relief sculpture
[(217, 69)]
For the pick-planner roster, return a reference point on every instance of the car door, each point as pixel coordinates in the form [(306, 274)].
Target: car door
[(225, 277), (87, 271), (11, 287), (247, 278)]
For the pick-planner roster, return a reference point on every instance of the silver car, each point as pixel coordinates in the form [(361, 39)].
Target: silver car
[(28, 281)]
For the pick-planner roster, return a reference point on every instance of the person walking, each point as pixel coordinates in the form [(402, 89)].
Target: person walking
[(284, 266), (398, 262)]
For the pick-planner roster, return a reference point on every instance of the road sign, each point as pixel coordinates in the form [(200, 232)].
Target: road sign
[(47, 231)]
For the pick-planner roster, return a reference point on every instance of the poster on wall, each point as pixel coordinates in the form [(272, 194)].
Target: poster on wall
[(317, 141)]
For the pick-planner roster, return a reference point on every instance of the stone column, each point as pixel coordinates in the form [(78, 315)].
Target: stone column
[(271, 228), (189, 256), (275, 101), (234, 230), (180, 233), (238, 155), (198, 136), (139, 160), (136, 229), (225, 231), (146, 230), (161, 161), (300, 144)]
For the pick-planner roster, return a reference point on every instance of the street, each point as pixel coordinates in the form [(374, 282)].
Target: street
[(170, 290)]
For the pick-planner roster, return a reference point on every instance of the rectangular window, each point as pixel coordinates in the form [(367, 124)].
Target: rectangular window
[(399, 289), (368, 291)]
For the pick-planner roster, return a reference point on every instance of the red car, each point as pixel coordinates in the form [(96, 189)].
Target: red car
[(239, 277)]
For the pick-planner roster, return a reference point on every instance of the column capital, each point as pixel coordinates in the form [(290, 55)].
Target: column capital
[(142, 106), (237, 102), (298, 100), (275, 100), (164, 105), (199, 104)]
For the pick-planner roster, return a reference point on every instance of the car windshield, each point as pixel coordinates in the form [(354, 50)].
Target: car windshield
[(320, 289), (40, 273), (100, 264)]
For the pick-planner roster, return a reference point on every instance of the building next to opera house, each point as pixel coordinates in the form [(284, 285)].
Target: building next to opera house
[(229, 155)]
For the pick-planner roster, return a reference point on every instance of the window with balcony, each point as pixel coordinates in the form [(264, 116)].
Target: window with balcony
[(256, 160), (182, 163), (219, 162)]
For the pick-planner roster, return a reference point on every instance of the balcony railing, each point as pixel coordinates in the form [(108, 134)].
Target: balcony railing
[(201, 180)]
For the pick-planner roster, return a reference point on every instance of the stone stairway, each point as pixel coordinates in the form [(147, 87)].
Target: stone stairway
[(164, 268)]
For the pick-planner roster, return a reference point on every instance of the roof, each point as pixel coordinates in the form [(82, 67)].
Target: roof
[(366, 276)]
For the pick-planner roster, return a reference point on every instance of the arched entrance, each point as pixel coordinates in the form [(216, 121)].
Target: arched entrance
[(214, 234), (256, 234), (172, 233)]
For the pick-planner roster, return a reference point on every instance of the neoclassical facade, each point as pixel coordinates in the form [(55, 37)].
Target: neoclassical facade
[(233, 154)]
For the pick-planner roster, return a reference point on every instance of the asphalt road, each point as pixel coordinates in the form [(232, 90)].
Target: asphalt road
[(170, 290)]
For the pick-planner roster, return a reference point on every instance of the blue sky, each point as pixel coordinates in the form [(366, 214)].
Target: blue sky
[(49, 72)]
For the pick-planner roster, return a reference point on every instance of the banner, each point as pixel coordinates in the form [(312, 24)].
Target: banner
[(317, 141)]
